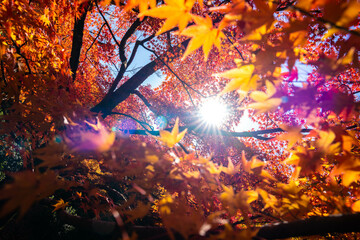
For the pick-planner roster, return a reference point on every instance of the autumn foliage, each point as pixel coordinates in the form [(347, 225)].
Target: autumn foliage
[(90, 149)]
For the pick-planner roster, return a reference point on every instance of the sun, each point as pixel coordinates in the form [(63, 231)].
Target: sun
[(213, 112)]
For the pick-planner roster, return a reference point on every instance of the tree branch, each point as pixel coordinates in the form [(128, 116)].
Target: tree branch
[(97, 35), (312, 226), (182, 82), (323, 20), (136, 120), (308, 227), (77, 40), (255, 134), (18, 51), (145, 101), (123, 58)]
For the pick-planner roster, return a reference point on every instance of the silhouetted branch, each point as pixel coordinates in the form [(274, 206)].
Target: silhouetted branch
[(307, 227), (18, 51), (322, 20), (108, 25), (312, 226), (77, 41), (97, 35), (254, 134), (138, 121), (145, 101)]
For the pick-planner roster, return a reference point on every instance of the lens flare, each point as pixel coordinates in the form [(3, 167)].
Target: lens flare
[(213, 112)]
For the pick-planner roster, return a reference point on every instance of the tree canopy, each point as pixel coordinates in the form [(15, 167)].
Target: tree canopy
[(92, 148)]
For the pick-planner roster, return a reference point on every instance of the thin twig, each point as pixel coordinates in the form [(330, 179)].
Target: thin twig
[(138, 121), (145, 101), (182, 82), (97, 35)]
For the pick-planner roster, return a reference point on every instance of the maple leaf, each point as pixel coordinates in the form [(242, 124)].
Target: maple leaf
[(292, 135), (308, 159), (264, 102), (241, 78), (27, 188), (97, 138), (230, 169), (60, 204), (176, 12), (325, 142), (45, 18), (202, 34), (173, 137), (256, 34), (269, 199), (349, 167), (350, 14), (255, 166), (140, 211)]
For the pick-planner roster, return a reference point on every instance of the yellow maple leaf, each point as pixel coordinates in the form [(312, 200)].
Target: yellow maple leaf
[(255, 166), (241, 78), (263, 101), (60, 204), (45, 18), (228, 195), (202, 34), (176, 12), (325, 142), (138, 212), (231, 169), (173, 137)]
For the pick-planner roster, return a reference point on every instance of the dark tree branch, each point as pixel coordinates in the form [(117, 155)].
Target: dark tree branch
[(123, 58), (228, 38), (136, 120), (182, 82), (312, 226), (254, 134), (322, 20), (145, 101), (108, 25), (77, 40), (308, 227), (97, 36), (3, 72), (137, 44), (112, 99), (18, 51)]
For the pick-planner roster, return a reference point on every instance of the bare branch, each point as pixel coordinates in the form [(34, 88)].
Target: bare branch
[(107, 24), (77, 41), (97, 36), (146, 102), (138, 121), (123, 58), (18, 51)]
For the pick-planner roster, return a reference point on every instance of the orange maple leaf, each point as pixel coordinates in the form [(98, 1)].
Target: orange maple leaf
[(60, 204)]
